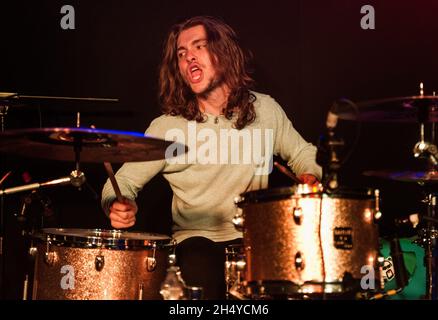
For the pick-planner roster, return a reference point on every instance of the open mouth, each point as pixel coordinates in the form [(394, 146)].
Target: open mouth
[(195, 74)]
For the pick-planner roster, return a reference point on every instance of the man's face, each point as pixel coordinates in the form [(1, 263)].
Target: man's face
[(194, 61)]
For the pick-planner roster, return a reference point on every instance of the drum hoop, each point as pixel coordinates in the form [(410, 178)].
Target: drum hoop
[(276, 194), (87, 241)]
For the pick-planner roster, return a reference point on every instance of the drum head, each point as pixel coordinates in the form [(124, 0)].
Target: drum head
[(115, 239)]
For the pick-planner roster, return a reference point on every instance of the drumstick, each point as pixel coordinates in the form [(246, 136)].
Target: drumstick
[(109, 170), (287, 172), (5, 177)]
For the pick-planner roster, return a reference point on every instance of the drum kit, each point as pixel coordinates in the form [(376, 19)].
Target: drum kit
[(299, 242)]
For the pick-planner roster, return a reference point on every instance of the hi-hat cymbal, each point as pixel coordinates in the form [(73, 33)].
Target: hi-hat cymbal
[(398, 109), (93, 145), (405, 176)]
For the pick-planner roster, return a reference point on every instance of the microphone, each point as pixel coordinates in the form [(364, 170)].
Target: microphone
[(328, 147), (332, 120), (332, 117)]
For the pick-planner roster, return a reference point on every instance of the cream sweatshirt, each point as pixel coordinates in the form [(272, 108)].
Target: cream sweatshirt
[(221, 164)]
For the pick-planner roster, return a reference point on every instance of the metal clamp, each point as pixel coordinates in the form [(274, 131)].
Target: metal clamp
[(49, 256), (151, 262)]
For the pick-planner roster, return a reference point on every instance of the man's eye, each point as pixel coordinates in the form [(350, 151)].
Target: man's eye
[(181, 54)]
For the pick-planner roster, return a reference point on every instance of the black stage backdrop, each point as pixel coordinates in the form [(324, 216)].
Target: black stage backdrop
[(306, 55)]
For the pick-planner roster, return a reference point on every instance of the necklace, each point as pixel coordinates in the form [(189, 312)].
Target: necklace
[(216, 119)]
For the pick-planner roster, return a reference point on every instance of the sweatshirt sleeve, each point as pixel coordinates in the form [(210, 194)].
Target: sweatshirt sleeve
[(132, 176), (290, 145)]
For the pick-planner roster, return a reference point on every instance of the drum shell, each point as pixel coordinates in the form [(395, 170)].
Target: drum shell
[(276, 240), (124, 274)]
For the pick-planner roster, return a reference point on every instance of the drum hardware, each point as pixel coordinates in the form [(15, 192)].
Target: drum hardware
[(327, 248), (151, 262), (331, 145), (171, 260), (82, 145), (428, 241), (377, 213), (238, 220), (140, 291), (3, 113), (297, 214), (421, 109), (110, 268), (299, 261), (99, 262), (49, 255)]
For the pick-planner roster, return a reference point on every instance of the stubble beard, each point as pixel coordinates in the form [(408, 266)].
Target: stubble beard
[(212, 85)]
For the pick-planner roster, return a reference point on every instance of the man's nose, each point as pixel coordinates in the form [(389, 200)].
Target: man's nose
[(190, 56)]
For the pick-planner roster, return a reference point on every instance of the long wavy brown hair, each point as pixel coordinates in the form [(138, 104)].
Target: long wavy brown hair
[(231, 63)]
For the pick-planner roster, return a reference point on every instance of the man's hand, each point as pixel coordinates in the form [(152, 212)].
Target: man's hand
[(122, 214), (309, 179)]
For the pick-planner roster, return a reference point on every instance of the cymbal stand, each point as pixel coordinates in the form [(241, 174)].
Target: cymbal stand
[(428, 234), (4, 107)]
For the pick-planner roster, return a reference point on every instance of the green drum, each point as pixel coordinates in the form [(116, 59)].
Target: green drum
[(413, 256)]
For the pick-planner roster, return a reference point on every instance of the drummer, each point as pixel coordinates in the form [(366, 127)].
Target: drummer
[(232, 134)]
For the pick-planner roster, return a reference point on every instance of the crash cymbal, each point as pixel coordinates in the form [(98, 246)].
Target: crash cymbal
[(398, 109), (93, 145), (405, 176)]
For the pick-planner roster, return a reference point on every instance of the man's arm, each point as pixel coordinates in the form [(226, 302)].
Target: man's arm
[(291, 147), (131, 178)]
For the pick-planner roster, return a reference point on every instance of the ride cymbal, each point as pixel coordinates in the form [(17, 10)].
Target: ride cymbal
[(398, 109)]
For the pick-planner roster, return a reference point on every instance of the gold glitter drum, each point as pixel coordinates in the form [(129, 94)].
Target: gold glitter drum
[(82, 264), (303, 242)]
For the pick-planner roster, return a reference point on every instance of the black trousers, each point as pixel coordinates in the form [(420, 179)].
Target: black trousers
[(202, 264)]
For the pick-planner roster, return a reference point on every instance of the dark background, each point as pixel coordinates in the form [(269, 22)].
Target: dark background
[(306, 55)]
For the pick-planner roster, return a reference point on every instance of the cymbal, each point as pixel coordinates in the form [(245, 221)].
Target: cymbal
[(406, 176), (94, 145), (398, 109)]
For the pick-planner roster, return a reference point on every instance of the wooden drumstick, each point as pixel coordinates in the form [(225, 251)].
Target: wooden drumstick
[(5, 177), (109, 170), (287, 172)]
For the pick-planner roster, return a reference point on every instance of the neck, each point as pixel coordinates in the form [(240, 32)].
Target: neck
[(215, 102)]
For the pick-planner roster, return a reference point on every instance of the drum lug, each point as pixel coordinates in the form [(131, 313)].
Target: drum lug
[(238, 200), (238, 221), (33, 251), (171, 259), (99, 262), (297, 213), (49, 256), (299, 261), (151, 262)]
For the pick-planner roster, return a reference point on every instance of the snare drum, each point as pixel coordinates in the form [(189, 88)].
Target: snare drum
[(99, 264), (301, 240)]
